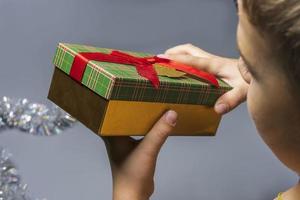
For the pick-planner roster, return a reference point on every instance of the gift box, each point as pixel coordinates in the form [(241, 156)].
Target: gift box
[(116, 93)]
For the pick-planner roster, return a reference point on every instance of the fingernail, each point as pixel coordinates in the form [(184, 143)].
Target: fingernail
[(162, 56), (171, 117), (221, 108)]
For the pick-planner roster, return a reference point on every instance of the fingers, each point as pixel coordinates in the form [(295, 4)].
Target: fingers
[(209, 65), (190, 50), (153, 141), (231, 99), (120, 147)]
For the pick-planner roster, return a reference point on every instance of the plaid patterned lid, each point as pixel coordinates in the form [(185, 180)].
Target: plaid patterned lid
[(122, 82)]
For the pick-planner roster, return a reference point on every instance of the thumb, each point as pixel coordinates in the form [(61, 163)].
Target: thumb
[(153, 141)]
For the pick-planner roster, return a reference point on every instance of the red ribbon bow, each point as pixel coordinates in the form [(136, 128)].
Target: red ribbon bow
[(144, 66)]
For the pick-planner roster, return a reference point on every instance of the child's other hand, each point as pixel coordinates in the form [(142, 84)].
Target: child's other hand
[(227, 69), (133, 161)]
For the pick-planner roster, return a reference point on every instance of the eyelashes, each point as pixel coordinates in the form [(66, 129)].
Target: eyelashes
[(235, 3), (244, 71)]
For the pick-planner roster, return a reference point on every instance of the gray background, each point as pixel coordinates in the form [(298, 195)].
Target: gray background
[(234, 165)]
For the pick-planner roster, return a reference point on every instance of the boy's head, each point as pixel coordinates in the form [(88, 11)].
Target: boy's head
[(269, 42)]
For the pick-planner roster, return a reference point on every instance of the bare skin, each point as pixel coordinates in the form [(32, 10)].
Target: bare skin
[(255, 77)]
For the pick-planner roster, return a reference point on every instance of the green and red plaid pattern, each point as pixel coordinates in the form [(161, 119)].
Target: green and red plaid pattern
[(122, 82)]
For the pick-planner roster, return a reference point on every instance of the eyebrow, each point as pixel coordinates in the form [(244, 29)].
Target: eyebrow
[(248, 64)]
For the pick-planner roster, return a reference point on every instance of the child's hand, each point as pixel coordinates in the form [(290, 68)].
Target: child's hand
[(230, 70), (133, 162)]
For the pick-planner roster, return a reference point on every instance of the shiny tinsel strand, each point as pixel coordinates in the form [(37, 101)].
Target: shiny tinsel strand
[(11, 187), (33, 118)]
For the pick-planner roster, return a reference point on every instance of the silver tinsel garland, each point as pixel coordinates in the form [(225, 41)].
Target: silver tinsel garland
[(11, 187), (33, 118)]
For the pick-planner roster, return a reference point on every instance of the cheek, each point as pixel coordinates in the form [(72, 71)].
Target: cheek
[(259, 109), (266, 107), (252, 105)]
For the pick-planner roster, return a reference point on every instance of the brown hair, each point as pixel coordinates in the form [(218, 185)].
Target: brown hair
[(280, 21)]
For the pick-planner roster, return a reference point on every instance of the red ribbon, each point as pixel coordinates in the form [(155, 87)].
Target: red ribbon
[(144, 66)]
